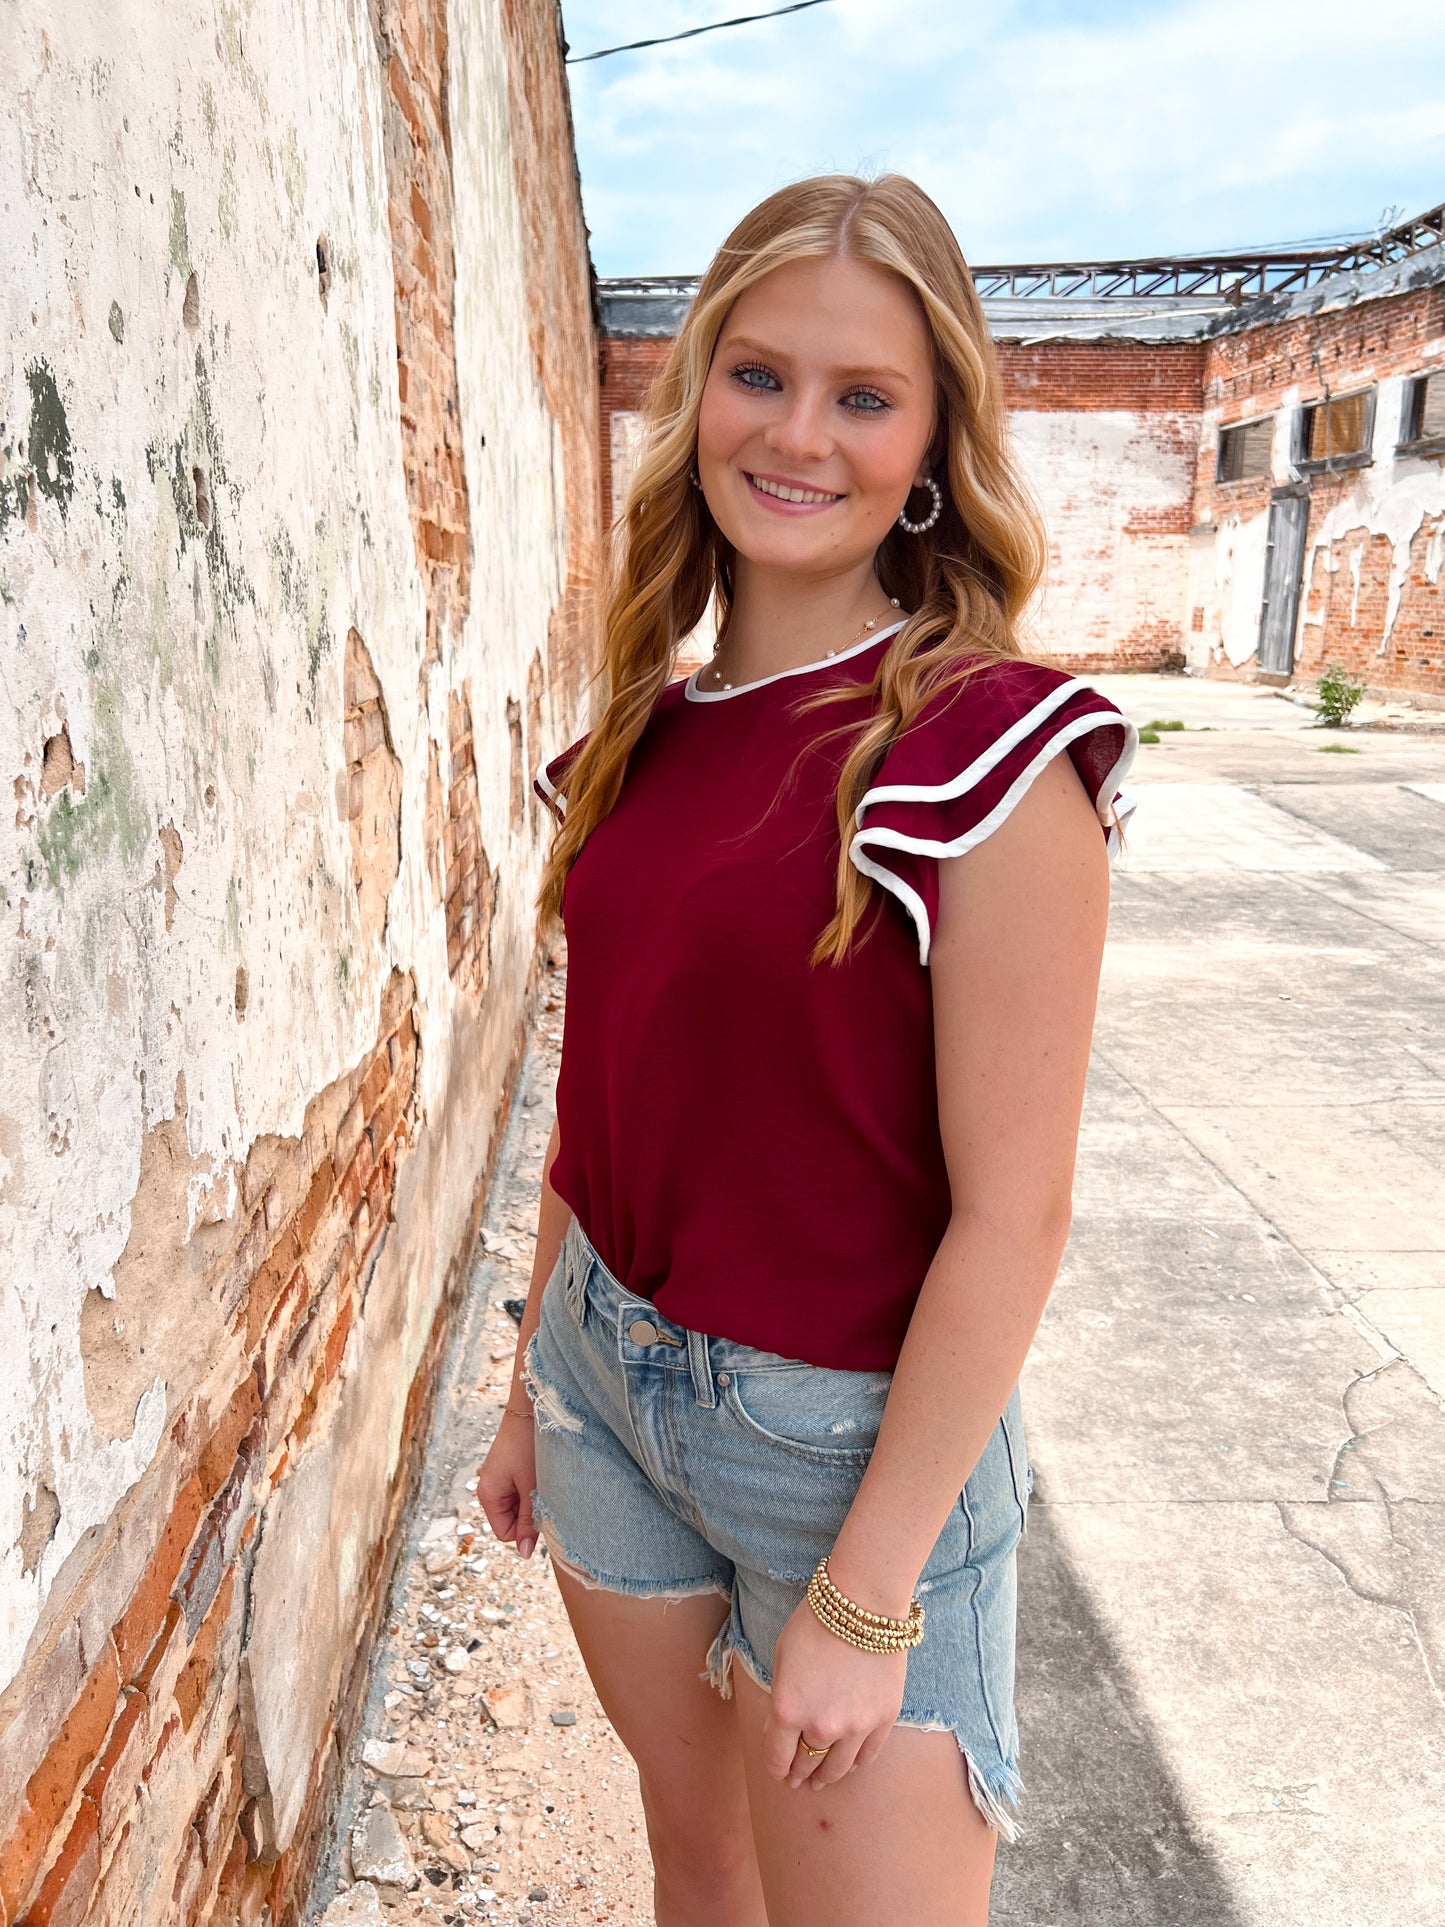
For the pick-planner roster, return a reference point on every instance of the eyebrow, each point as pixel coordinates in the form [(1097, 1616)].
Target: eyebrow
[(881, 372)]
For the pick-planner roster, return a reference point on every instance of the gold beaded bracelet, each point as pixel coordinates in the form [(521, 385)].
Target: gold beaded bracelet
[(869, 1631)]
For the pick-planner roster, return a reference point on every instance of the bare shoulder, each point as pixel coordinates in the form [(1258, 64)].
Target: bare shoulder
[(1045, 867)]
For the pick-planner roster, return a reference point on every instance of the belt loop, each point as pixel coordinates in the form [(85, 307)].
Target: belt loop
[(575, 1265), (701, 1364)]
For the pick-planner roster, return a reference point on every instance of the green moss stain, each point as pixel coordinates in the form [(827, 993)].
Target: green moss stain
[(179, 241), (48, 446), (293, 171), (172, 467), (117, 321), (228, 199), (83, 830)]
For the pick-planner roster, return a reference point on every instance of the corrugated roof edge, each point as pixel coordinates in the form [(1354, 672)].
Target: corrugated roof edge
[(638, 312)]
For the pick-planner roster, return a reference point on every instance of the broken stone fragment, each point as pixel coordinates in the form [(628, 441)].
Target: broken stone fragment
[(563, 1716), (509, 1705), (479, 1837), (440, 1559), (396, 1759), (379, 1853), (358, 1906), (457, 1660)]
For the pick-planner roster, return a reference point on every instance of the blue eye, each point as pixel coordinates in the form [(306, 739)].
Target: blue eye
[(877, 405), (741, 377)]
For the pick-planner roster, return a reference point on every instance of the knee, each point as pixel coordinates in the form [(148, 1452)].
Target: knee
[(700, 1837)]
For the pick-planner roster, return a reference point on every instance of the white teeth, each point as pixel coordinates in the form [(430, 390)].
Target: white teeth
[(791, 494)]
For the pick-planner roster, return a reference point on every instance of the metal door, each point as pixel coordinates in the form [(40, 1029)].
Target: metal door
[(1284, 558)]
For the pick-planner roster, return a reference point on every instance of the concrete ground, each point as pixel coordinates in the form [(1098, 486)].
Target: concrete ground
[(1232, 1637), (1233, 1622)]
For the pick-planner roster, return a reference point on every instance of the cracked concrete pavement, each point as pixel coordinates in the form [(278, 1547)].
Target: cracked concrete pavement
[(1232, 1626), (1233, 1587)]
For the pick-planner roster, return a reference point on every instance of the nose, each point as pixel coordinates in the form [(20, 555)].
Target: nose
[(799, 431)]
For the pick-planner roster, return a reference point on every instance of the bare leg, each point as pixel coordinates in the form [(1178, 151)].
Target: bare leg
[(645, 1658), (899, 1840)]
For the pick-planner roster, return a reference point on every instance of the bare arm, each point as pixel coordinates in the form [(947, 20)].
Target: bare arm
[(552, 1218), (1015, 967), (505, 1481)]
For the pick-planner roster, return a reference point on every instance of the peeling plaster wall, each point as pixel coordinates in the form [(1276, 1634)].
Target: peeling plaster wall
[(1114, 489), (228, 692), (1371, 584)]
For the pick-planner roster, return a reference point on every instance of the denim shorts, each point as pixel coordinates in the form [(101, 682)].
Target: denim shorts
[(672, 1463)]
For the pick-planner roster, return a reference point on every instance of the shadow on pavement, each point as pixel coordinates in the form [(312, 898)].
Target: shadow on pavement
[(1106, 1842)]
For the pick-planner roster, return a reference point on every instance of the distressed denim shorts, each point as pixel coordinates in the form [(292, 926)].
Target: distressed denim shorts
[(672, 1463)]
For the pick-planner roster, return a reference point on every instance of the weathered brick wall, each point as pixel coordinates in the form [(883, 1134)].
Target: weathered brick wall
[(1107, 433), (298, 541), (1375, 534)]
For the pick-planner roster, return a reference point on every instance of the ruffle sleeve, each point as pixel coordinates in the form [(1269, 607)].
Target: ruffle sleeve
[(964, 762), (550, 781)]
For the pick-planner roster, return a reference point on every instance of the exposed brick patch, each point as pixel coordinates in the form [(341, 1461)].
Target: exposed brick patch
[(412, 36), (322, 1210), (471, 883), (373, 789), (559, 305)]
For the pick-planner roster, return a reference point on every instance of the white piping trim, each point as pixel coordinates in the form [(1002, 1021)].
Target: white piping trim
[(549, 790), (884, 838), (695, 695), (982, 763)]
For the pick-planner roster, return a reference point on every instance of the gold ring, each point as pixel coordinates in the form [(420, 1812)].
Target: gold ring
[(816, 1751)]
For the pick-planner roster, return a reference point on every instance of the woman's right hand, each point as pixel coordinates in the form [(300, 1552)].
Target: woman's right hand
[(505, 1482)]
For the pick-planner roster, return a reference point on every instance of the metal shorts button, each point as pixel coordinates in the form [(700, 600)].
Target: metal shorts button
[(642, 1331)]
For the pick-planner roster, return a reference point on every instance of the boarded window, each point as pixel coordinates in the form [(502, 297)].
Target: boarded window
[(1246, 450), (1337, 429), (1424, 417)]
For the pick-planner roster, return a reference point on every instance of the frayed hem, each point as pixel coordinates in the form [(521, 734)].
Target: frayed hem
[(993, 1793), (598, 1582), (718, 1666)]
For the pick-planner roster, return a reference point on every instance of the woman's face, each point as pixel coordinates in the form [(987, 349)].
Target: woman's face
[(821, 385)]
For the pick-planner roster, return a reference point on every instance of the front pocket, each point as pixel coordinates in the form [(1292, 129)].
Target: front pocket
[(816, 1412), (1018, 1454)]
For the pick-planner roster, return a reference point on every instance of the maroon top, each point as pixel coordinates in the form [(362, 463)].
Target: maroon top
[(750, 1141)]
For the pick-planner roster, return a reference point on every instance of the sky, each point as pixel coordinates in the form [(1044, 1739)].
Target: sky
[(1045, 129)]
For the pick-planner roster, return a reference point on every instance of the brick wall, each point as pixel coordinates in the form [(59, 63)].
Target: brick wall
[(300, 584), (419, 208), (1371, 590)]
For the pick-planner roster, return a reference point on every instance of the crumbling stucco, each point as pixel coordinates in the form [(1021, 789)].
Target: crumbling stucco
[(257, 1051)]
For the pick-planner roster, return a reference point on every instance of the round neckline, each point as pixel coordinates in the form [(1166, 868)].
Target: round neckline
[(694, 694)]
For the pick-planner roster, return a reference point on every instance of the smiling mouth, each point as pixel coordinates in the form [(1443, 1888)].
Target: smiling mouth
[(792, 492)]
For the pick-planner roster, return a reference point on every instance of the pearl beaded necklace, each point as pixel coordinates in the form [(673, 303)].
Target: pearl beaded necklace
[(871, 623)]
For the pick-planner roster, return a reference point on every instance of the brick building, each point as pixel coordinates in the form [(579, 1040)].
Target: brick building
[(299, 520), (1241, 460)]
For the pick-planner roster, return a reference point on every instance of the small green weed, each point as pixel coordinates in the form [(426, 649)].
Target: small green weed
[(1148, 735), (1161, 723), (1337, 749), (1337, 694)]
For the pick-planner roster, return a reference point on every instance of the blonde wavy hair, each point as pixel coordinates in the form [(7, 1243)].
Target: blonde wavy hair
[(966, 581)]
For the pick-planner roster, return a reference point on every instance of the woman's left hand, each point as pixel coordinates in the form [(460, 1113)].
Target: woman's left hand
[(832, 1695)]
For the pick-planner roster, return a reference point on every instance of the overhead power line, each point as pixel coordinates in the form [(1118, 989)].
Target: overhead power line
[(691, 33)]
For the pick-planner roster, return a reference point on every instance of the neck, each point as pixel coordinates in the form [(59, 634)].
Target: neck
[(781, 620)]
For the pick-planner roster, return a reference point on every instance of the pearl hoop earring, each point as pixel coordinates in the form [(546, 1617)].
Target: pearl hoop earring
[(917, 528), (694, 477)]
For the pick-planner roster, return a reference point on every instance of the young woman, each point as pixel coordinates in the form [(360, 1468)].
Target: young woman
[(819, 1090)]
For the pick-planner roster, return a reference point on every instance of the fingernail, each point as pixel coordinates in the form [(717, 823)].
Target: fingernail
[(793, 1782), (524, 1546)]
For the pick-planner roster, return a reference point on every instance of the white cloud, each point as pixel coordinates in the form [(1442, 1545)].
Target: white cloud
[(1045, 129)]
